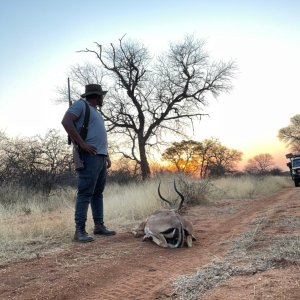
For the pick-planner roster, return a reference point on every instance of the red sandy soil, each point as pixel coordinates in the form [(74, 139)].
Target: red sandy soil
[(124, 267)]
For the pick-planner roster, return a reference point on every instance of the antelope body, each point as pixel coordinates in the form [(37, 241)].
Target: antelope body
[(166, 227)]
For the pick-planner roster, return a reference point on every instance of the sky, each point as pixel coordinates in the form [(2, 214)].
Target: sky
[(40, 42)]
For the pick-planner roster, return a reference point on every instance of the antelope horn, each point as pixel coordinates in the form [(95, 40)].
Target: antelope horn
[(161, 197), (181, 196)]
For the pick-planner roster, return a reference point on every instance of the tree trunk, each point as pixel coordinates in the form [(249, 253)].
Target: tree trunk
[(145, 169)]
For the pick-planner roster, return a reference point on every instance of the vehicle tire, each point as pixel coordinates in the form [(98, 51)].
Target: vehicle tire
[(297, 181)]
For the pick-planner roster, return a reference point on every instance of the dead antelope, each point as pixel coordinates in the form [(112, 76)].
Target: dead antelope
[(166, 227)]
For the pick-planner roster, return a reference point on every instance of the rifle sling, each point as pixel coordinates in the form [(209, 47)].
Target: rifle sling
[(84, 129)]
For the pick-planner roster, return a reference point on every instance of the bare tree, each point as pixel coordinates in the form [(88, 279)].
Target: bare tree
[(35, 162), (260, 164), (223, 160), (154, 96), (206, 156), (291, 134), (80, 75)]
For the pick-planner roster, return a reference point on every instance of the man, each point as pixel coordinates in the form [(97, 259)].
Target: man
[(94, 154)]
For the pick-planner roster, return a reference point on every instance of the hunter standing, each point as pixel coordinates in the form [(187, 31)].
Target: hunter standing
[(93, 152)]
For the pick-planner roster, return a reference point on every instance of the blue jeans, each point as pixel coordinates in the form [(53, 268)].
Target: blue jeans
[(90, 187)]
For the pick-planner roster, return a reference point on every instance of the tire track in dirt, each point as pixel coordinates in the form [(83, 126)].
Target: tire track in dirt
[(122, 267), (166, 264), (281, 222)]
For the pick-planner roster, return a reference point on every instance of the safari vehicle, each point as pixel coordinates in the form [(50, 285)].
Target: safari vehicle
[(294, 166)]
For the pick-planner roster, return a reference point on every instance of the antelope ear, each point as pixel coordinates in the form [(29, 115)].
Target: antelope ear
[(189, 241)]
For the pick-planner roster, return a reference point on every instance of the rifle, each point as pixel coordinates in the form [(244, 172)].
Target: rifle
[(70, 103), (76, 155)]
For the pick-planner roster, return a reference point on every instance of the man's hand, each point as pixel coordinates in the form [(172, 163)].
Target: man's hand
[(87, 148), (108, 161), (68, 123)]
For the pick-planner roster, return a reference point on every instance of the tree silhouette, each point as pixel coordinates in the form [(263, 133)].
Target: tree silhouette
[(38, 162), (291, 134), (208, 157), (260, 164), (151, 95), (184, 155)]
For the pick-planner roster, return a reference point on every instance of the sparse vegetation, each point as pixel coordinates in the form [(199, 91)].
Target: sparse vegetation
[(246, 187), (31, 224), (38, 163), (253, 252)]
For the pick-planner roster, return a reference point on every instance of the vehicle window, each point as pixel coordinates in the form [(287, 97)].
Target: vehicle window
[(296, 162)]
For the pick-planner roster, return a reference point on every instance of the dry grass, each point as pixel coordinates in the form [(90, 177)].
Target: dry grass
[(31, 224), (252, 252), (246, 187), (243, 259)]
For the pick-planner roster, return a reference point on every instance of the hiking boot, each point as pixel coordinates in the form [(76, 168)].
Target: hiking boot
[(82, 236), (102, 230)]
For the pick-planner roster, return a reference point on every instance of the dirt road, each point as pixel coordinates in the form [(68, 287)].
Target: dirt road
[(123, 267)]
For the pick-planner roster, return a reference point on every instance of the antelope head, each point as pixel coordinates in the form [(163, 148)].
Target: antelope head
[(166, 227), (172, 204)]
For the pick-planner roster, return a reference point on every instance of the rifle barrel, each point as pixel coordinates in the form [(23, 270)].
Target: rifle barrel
[(70, 103), (69, 92)]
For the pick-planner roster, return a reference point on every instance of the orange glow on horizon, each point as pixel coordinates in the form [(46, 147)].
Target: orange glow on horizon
[(275, 148)]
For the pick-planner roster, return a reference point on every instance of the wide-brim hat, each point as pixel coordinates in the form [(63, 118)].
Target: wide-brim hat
[(93, 89)]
